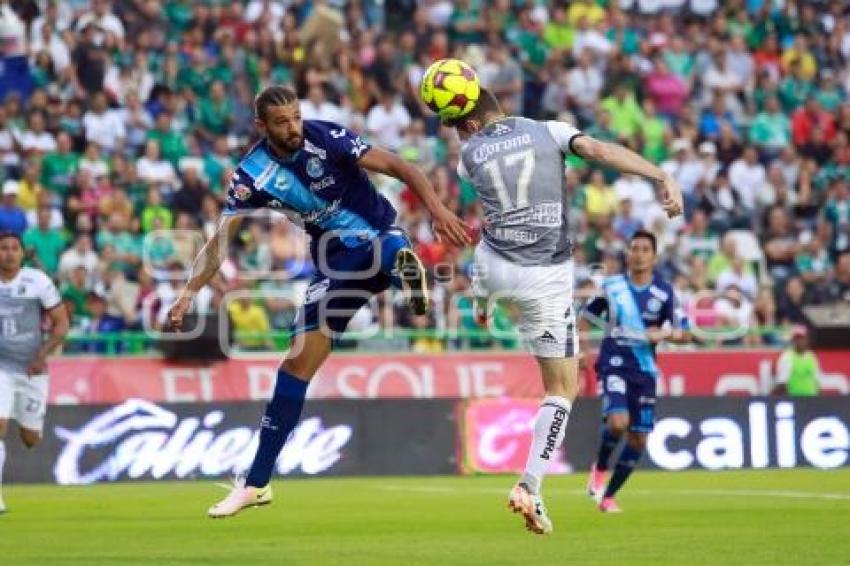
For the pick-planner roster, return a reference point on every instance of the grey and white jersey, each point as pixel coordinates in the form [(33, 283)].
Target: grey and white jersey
[(517, 168), (23, 300)]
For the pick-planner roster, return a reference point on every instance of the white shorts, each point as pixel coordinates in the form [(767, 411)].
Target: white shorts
[(23, 398), (543, 295)]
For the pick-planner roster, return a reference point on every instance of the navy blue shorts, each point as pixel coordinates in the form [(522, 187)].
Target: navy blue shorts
[(633, 393), (345, 281)]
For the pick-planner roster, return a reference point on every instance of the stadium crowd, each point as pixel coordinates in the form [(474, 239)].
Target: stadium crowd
[(120, 124)]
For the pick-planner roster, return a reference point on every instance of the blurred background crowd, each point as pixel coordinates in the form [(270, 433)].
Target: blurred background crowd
[(120, 123)]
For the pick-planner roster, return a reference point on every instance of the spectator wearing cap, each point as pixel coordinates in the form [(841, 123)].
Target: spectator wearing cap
[(797, 369), (43, 242), (707, 153), (12, 217)]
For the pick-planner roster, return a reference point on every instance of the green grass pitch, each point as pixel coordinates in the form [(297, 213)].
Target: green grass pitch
[(748, 517)]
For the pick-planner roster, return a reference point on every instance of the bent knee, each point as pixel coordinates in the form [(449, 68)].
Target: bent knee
[(637, 440), (30, 437), (618, 423)]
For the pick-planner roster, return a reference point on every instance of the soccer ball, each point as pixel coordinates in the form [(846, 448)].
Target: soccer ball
[(450, 88)]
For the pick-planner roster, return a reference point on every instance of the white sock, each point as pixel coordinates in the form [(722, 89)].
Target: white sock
[(549, 429)]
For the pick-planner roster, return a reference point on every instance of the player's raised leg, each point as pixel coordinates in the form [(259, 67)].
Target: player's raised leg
[(550, 424), (282, 414)]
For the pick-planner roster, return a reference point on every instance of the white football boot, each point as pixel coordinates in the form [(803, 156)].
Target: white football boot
[(531, 506), (241, 496)]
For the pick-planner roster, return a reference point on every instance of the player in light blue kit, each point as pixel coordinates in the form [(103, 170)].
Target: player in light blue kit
[(313, 171), (638, 310)]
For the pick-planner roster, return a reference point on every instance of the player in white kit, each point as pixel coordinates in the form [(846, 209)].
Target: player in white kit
[(26, 294), (517, 168)]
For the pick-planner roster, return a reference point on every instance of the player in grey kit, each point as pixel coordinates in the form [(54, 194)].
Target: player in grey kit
[(25, 295), (517, 168)]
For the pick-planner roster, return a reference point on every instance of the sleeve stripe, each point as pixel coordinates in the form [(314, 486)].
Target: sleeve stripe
[(572, 139)]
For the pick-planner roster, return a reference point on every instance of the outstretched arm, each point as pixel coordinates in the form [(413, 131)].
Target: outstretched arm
[(445, 223), (627, 161), (206, 265)]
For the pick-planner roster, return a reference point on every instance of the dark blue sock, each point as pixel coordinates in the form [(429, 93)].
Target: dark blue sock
[(625, 464), (606, 447), (282, 414)]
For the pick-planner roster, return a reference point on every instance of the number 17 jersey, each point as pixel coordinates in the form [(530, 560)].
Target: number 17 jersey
[(517, 168)]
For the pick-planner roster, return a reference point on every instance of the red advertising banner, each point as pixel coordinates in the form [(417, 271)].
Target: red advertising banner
[(91, 380)]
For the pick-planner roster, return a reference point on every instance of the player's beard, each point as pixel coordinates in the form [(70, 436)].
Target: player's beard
[(287, 145)]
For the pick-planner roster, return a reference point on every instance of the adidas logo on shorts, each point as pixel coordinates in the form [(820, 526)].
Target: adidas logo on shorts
[(548, 338)]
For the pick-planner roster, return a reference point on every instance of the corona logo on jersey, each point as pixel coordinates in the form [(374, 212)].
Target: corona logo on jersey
[(139, 439)]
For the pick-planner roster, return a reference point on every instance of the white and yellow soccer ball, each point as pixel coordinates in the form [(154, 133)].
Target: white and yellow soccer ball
[(450, 88)]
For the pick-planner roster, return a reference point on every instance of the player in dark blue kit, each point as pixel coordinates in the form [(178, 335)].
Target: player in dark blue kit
[(638, 310), (313, 171)]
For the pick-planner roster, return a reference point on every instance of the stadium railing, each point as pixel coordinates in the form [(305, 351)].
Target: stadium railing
[(397, 339)]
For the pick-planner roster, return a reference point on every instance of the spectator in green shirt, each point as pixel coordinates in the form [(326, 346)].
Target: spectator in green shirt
[(829, 94), (558, 33), (215, 113), (626, 115), (771, 130), (59, 167), (654, 134), (195, 77), (171, 144), (154, 210), (795, 89), (44, 242), (74, 290), (216, 162), (466, 24), (126, 247)]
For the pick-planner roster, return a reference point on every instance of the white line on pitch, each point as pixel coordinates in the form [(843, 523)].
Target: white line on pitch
[(645, 492)]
